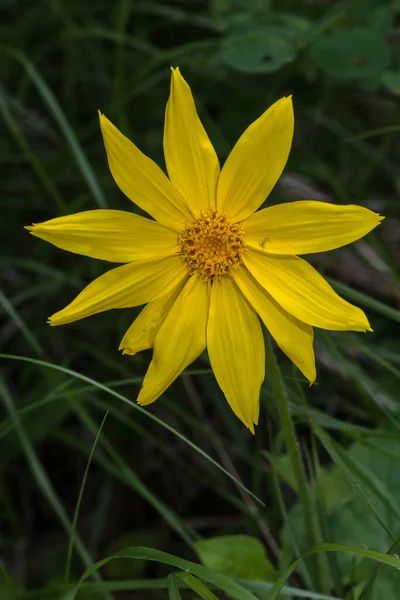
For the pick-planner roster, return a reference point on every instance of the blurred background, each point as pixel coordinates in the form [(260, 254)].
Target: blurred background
[(62, 60)]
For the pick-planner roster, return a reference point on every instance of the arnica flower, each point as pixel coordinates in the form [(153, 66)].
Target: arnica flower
[(208, 266)]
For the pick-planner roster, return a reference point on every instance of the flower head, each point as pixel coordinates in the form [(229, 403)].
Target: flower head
[(208, 266)]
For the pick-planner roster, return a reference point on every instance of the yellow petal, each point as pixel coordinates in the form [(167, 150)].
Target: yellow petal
[(113, 235), (303, 293), (179, 341), (130, 285), (235, 346), (293, 337), (308, 226), (192, 163), (139, 178), (142, 332), (256, 162)]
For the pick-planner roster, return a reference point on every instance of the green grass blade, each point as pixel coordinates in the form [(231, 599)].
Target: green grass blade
[(365, 300), (173, 589), (40, 475), (31, 156), (386, 559), (55, 109), (222, 582), (20, 324), (128, 476), (359, 477), (126, 400), (197, 586), (319, 568), (261, 588), (79, 501)]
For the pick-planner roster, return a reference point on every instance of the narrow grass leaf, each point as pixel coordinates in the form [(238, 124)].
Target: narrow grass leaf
[(141, 553), (20, 324), (79, 501), (261, 588), (31, 156), (296, 461), (128, 476), (40, 475), (126, 400), (54, 107), (173, 589), (358, 475), (365, 300), (197, 586), (386, 559)]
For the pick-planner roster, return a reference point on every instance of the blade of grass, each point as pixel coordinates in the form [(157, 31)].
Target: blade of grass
[(79, 501), (304, 567), (365, 300), (220, 581), (31, 156), (358, 474), (173, 589), (55, 109), (197, 586), (41, 478), (261, 588), (391, 561), (20, 324), (126, 400), (188, 535), (319, 567)]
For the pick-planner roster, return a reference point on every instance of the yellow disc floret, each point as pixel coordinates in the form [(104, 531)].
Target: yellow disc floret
[(212, 245)]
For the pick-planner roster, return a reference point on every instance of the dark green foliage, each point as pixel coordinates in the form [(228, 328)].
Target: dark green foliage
[(150, 482)]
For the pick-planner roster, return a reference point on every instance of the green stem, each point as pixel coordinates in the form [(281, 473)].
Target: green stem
[(318, 570)]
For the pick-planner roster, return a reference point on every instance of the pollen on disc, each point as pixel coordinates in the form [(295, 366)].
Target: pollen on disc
[(212, 245)]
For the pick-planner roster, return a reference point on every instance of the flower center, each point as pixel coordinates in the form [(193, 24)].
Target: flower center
[(211, 245)]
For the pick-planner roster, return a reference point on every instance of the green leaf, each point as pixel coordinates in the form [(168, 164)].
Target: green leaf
[(261, 50), (352, 54), (391, 80), (237, 556)]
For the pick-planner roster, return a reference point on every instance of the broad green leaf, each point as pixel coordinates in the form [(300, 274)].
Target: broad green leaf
[(391, 80), (262, 50), (237, 556), (352, 54)]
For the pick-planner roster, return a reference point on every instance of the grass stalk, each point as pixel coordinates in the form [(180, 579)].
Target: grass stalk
[(318, 567)]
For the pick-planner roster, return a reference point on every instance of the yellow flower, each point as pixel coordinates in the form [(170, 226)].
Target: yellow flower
[(208, 266)]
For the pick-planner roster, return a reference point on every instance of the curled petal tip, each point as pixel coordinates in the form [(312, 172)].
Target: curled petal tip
[(128, 352)]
